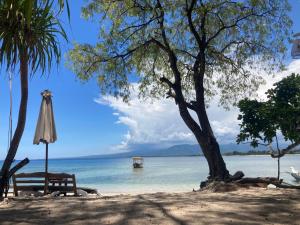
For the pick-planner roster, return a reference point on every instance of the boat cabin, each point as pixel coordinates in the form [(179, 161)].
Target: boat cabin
[(137, 162), (296, 47)]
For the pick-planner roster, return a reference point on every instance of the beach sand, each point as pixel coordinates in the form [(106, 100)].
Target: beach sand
[(245, 206)]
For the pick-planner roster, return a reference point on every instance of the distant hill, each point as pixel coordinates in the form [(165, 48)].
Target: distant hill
[(254, 152), (178, 150), (239, 147)]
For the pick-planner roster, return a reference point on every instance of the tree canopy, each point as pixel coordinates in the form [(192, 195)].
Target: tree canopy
[(187, 50), (137, 36), (261, 120)]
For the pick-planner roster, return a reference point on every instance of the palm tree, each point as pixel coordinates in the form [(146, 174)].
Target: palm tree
[(29, 4), (30, 43)]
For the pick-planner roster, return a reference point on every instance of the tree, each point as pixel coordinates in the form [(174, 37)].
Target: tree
[(31, 45), (186, 50), (29, 7), (261, 121)]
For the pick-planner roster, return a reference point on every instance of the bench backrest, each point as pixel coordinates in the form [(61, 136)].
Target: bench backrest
[(36, 181)]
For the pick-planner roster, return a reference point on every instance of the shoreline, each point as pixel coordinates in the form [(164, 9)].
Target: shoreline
[(95, 158)]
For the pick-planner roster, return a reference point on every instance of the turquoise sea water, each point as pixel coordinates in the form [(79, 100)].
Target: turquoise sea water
[(159, 173)]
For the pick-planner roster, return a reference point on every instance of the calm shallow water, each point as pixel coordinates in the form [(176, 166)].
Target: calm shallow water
[(159, 173)]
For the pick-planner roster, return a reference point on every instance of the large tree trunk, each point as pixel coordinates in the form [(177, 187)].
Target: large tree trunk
[(216, 164), (202, 130), (208, 144), (20, 124), (210, 147)]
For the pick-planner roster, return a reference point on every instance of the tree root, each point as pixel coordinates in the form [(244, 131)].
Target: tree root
[(238, 181)]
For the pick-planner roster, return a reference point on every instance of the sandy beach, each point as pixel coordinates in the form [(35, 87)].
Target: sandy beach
[(245, 206)]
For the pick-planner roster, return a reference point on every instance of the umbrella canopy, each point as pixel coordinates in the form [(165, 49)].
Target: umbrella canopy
[(45, 129)]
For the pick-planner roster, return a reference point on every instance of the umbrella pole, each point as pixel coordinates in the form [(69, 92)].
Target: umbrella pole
[(46, 171)]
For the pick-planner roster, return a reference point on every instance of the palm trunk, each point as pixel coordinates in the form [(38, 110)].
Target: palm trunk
[(20, 124)]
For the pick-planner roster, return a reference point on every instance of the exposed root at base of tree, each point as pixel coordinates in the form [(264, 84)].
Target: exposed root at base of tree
[(238, 181)]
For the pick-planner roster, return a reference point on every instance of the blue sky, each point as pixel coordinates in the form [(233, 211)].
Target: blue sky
[(88, 123)]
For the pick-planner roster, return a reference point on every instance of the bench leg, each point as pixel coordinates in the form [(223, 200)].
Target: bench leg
[(15, 186)]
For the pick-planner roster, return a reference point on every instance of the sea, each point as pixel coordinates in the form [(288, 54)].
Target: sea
[(160, 174)]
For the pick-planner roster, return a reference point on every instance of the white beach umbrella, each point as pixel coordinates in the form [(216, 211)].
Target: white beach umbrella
[(45, 129)]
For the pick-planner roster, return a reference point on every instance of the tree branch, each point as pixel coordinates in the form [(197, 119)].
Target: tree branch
[(285, 151), (239, 19), (189, 11), (167, 81)]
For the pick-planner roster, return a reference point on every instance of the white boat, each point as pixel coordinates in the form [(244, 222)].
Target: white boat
[(295, 173), (137, 162)]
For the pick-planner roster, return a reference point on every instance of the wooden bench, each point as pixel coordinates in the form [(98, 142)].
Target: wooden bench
[(61, 182)]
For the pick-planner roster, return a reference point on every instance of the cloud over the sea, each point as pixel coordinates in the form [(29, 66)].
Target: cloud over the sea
[(158, 121)]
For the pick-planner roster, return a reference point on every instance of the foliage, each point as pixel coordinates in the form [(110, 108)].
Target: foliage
[(38, 39), (261, 120), (258, 122), (135, 36), (285, 98), (186, 50)]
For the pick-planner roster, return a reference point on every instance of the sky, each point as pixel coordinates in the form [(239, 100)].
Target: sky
[(88, 123)]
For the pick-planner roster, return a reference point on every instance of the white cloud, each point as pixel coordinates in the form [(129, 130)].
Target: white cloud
[(293, 67), (159, 122), (148, 121)]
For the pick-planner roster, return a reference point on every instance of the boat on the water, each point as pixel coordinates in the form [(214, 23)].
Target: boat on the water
[(295, 173), (137, 162)]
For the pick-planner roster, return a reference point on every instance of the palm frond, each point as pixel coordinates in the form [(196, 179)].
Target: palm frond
[(37, 36)]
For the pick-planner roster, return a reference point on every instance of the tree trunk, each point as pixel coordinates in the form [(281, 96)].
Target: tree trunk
[(216, 164), (211, 149), (203, 131), (20, 124), (278, 168), (208, 144)]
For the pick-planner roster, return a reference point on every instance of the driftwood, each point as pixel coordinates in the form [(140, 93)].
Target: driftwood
[(259, 180), (288, 186), (89, 190), (237, 176), (234, 183)]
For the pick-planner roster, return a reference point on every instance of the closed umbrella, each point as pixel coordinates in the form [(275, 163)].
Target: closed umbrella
[(45, 129)]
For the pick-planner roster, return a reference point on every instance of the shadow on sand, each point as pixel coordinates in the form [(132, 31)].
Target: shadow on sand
[(247, 207)]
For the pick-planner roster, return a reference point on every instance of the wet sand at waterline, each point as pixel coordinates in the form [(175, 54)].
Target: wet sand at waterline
[(245, 206)]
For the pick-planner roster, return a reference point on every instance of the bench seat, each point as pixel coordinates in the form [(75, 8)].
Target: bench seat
[(62, 182)]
